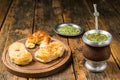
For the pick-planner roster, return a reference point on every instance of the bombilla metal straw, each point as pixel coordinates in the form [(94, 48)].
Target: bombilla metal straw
[(96, 14)]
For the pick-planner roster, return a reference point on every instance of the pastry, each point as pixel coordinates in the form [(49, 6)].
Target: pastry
[(40, 37), (50, 52), (18, 54)]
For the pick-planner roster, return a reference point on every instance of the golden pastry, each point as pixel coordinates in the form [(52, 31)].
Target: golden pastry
[(18, 54), (50, 52), (40, 37)]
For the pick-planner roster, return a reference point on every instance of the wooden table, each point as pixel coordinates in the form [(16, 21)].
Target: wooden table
[(20, 18)]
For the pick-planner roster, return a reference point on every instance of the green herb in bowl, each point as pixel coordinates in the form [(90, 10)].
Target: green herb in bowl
[(68, 30), (97, 37)]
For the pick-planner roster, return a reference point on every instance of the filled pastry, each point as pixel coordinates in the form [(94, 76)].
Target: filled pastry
[(18, 54), (50, 52), (40, 37)]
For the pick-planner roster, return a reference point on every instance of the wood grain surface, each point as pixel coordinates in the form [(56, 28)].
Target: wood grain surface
[(20, 18), (4, 8)]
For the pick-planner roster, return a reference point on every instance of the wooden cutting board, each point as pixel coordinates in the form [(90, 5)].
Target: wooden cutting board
[(36, 68)]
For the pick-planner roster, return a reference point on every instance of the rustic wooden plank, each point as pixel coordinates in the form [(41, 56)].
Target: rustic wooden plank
[(4, 6), (71, 8), (114, 25), (18, 24), (3, 35), (115, 5), (83, 16), (79, 16), (47, 15), (58, 11)]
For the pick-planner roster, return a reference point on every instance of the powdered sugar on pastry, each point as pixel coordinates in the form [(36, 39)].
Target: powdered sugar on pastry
[(18, 54), (50, 52)]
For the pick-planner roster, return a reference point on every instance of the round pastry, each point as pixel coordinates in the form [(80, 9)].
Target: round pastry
[(50, 52), (18, 54), (39, 37)]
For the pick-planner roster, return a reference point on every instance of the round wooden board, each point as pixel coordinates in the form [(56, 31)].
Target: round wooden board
[(36, 68)]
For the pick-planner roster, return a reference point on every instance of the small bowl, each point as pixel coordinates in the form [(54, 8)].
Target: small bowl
[(97, 44), (69, 24)]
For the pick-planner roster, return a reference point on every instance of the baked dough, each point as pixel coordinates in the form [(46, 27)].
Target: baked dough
[(50, 52), (18, 54), (40, 37)]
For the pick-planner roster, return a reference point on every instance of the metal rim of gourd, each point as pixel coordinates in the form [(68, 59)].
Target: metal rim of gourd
[(97, 44)]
